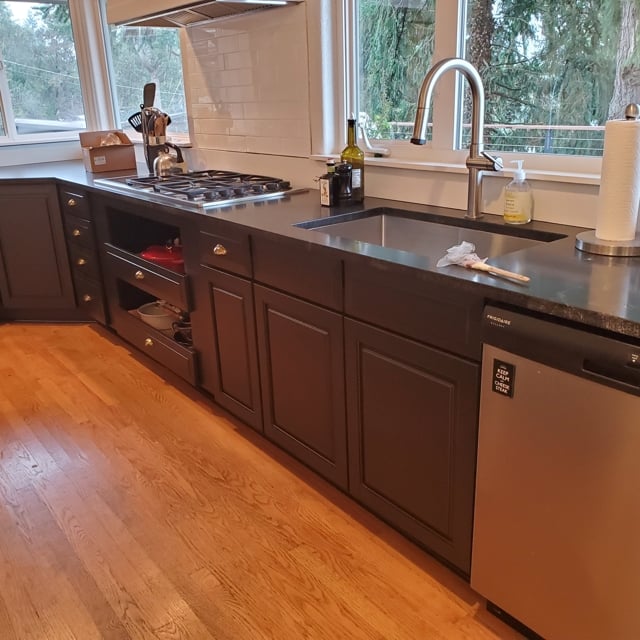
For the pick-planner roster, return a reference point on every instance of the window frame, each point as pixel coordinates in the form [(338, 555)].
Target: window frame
[(338, 46)]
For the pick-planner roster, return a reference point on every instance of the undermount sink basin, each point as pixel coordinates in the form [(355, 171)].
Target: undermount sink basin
[(428, 234)]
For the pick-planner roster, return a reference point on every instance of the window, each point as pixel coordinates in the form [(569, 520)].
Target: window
[(40, 94), (146, 54), (554, 72)]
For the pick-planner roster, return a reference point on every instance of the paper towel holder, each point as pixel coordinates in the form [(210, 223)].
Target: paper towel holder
[(587, 240)]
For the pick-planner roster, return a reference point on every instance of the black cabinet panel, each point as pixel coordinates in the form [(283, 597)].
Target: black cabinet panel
[(410, 304), (302, 377), (304, 270), (34, 268), (412, 416), (224, 330)]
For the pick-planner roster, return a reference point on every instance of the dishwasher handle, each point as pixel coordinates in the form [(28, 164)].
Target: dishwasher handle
[(613, 372)]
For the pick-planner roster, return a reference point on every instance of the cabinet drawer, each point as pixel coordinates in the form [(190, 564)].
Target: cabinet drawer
[(309, 271), (413, 305), (178, 359), (75, 203), (89, 297), (84, 261), (78, 231), (158, 281), (226, 250)]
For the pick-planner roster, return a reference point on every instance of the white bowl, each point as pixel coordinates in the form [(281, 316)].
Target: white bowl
[(156, 316)]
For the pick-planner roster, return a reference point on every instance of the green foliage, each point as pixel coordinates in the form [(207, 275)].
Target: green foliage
[(40, 62), (547, 63), (397, 47), (141, 55)]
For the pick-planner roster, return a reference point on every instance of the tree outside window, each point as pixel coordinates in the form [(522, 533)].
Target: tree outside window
[(146, 54), (40, 87), (554, 72), (40, 92)]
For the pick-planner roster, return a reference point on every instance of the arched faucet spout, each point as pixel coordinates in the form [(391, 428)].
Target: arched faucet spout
[(478, 160)]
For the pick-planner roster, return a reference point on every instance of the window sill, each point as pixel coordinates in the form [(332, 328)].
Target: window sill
[(446, 167)]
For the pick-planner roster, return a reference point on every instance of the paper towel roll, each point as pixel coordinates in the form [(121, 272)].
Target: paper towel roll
[(619, 197)]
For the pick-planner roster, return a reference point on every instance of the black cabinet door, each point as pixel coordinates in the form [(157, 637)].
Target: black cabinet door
[(224, 332), (412, 422), (301, 355), (34, 267)]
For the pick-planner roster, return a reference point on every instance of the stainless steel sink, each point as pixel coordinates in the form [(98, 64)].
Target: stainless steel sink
[(427, 234)]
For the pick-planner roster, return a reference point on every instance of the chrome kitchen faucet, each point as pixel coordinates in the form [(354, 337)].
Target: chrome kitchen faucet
[(478, 160)]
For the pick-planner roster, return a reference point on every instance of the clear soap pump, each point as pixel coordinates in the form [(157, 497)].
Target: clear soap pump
[(518, 199)]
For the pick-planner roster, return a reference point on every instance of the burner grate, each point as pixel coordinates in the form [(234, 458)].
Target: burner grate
[(206, 188)]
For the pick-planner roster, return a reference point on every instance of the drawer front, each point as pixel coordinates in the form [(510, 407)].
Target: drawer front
[(309, 271), (225, 251), (75, 203), (78, 231), (410, 305), (152, 343), (89, 297), (162, 283), (84, 261)]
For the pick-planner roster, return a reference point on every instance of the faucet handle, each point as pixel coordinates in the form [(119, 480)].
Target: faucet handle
[(496, 161)]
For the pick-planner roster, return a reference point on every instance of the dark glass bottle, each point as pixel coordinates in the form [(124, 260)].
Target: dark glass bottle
[(329, 186), (343, 171), (354, 155)]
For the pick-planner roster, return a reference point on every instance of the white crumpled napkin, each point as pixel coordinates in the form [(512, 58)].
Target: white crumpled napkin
[(462, 254)]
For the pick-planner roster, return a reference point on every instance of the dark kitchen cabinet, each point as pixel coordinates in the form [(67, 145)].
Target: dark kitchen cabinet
[(412, 416), (224, 330), (35, 278), (300, 348), (224, 320), (125, 230), (83, 252), (412, 352)]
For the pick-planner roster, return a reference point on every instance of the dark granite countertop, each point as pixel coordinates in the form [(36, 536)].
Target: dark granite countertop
[(598, 291)]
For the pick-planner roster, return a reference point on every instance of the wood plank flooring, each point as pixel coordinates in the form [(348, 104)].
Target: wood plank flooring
[(131, 509)]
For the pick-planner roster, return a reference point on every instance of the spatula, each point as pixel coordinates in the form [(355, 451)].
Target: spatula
[(463, 254), (148, 95)]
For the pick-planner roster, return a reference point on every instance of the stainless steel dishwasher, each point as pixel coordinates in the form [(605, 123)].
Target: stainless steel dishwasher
[(556, 542)]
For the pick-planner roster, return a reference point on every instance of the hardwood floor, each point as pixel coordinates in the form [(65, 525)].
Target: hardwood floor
[(133, 509)]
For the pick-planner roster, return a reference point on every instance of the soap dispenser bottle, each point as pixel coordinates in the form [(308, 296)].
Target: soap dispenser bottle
[(518, 199)]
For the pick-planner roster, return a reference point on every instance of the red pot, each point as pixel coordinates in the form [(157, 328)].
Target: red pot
[(169, 257)]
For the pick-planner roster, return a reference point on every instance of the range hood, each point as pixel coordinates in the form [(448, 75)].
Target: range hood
[(173, 13)]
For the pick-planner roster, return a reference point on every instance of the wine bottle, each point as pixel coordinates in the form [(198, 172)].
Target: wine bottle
[(355, 157)]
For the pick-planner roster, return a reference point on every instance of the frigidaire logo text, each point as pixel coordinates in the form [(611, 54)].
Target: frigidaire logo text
[(502, 322)]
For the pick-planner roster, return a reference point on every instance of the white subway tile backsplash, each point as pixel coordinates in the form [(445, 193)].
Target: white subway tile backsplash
[(247, 83), (224, 143), (237, 60)]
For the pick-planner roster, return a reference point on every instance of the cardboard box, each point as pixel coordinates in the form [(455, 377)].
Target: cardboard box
[(115, 157)]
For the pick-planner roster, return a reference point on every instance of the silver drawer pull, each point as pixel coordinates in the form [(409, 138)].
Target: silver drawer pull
[(71, 202), (76, 232), (138, 275), (219, 250), (148, 342), (81, 261), (86, 298)]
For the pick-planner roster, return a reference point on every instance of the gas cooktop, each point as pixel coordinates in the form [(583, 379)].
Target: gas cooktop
[(201, 190)]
